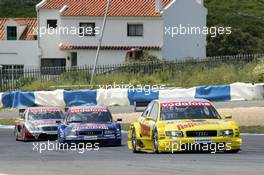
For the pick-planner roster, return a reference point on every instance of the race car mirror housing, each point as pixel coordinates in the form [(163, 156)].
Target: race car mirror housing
[(228, 117), (119, 120)]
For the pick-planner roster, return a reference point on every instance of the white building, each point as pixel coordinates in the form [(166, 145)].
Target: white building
[(131, 24), (18, 44)]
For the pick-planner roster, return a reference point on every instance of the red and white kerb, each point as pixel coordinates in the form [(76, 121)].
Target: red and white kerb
[(180, 104)]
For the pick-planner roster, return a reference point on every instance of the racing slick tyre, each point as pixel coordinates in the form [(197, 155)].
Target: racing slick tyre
[(16, 135), (134, 141), (119, 142), (61, 142), (24, 137), (155, 141)]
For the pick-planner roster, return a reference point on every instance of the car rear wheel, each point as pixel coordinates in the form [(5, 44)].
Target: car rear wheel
[(155, 141), (134, 141), (16, 134), (24, 137)]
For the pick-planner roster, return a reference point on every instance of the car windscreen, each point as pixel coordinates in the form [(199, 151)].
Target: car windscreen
[(89, 117), (45, 115), (182, 112)]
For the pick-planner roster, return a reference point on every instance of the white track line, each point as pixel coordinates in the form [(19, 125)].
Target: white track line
[(7, 127), (251, 134)]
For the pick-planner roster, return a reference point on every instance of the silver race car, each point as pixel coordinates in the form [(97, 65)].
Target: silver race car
[(38, 123)]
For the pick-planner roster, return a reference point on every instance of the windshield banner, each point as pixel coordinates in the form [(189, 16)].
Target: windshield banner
[(180, 104)]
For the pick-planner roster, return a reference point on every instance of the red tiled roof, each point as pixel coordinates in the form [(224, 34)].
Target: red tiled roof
[(97, 7), (28, 33), (79, 47)]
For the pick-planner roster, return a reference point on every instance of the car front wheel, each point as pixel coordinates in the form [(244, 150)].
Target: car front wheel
[(155, 140), (134, 141)]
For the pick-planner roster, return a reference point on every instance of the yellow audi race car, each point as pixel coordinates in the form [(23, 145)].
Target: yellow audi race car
[(183, 125)]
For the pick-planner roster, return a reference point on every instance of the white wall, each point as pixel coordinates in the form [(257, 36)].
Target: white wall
[(48, 42), (19, 52), (116, 32), (115, 35), (86, 57), (184, 12)]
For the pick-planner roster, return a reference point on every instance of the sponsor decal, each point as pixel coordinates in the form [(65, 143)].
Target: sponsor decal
[(45, 110), (192, 124), (145, 130), (87, 110), (179, 104), (90, 126), (43, 122)]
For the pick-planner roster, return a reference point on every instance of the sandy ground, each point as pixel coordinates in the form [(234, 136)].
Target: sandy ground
[(251, 116)]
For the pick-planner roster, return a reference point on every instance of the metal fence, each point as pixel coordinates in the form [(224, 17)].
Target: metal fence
[(13, 79)]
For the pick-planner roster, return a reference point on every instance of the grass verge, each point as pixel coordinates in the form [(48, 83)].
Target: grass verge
[(7, 121), (186, 75), (252, 129)]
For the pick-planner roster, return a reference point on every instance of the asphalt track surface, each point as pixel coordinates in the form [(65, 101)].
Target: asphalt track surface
[(19, 158), (130, 109)]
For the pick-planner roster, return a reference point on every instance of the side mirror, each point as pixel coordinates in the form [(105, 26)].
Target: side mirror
[(119, 120), (21, 112), (228, 117), (58, 122), (148, 118)]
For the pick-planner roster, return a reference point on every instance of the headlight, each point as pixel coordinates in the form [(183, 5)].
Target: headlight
[(71, 133), (109, 132), (174, 134), (32, 128), (228, 132)]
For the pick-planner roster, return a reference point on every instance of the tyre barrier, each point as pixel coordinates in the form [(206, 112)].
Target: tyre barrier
[(125, 97)]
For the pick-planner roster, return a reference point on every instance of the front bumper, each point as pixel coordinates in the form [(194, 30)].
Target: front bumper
[(212, 144), (105, 139), (42, 135)]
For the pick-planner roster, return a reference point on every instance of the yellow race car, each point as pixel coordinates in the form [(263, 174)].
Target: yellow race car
[(183, 125)]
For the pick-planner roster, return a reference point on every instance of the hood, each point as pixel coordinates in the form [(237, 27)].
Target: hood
[(210, 124), (40, 123), (91, 126)]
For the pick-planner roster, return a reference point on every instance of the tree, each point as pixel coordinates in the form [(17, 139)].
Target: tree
[(237, 42)]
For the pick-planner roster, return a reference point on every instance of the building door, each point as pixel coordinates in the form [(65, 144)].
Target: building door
[(74, 59)]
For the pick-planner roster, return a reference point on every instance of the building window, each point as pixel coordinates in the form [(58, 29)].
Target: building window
[(87, 29), (53, 62), (53, 66), (134, 29), (11, 33), (12, 71), (52, 23)]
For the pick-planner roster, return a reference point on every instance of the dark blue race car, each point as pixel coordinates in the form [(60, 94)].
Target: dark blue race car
[(89, 124)]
